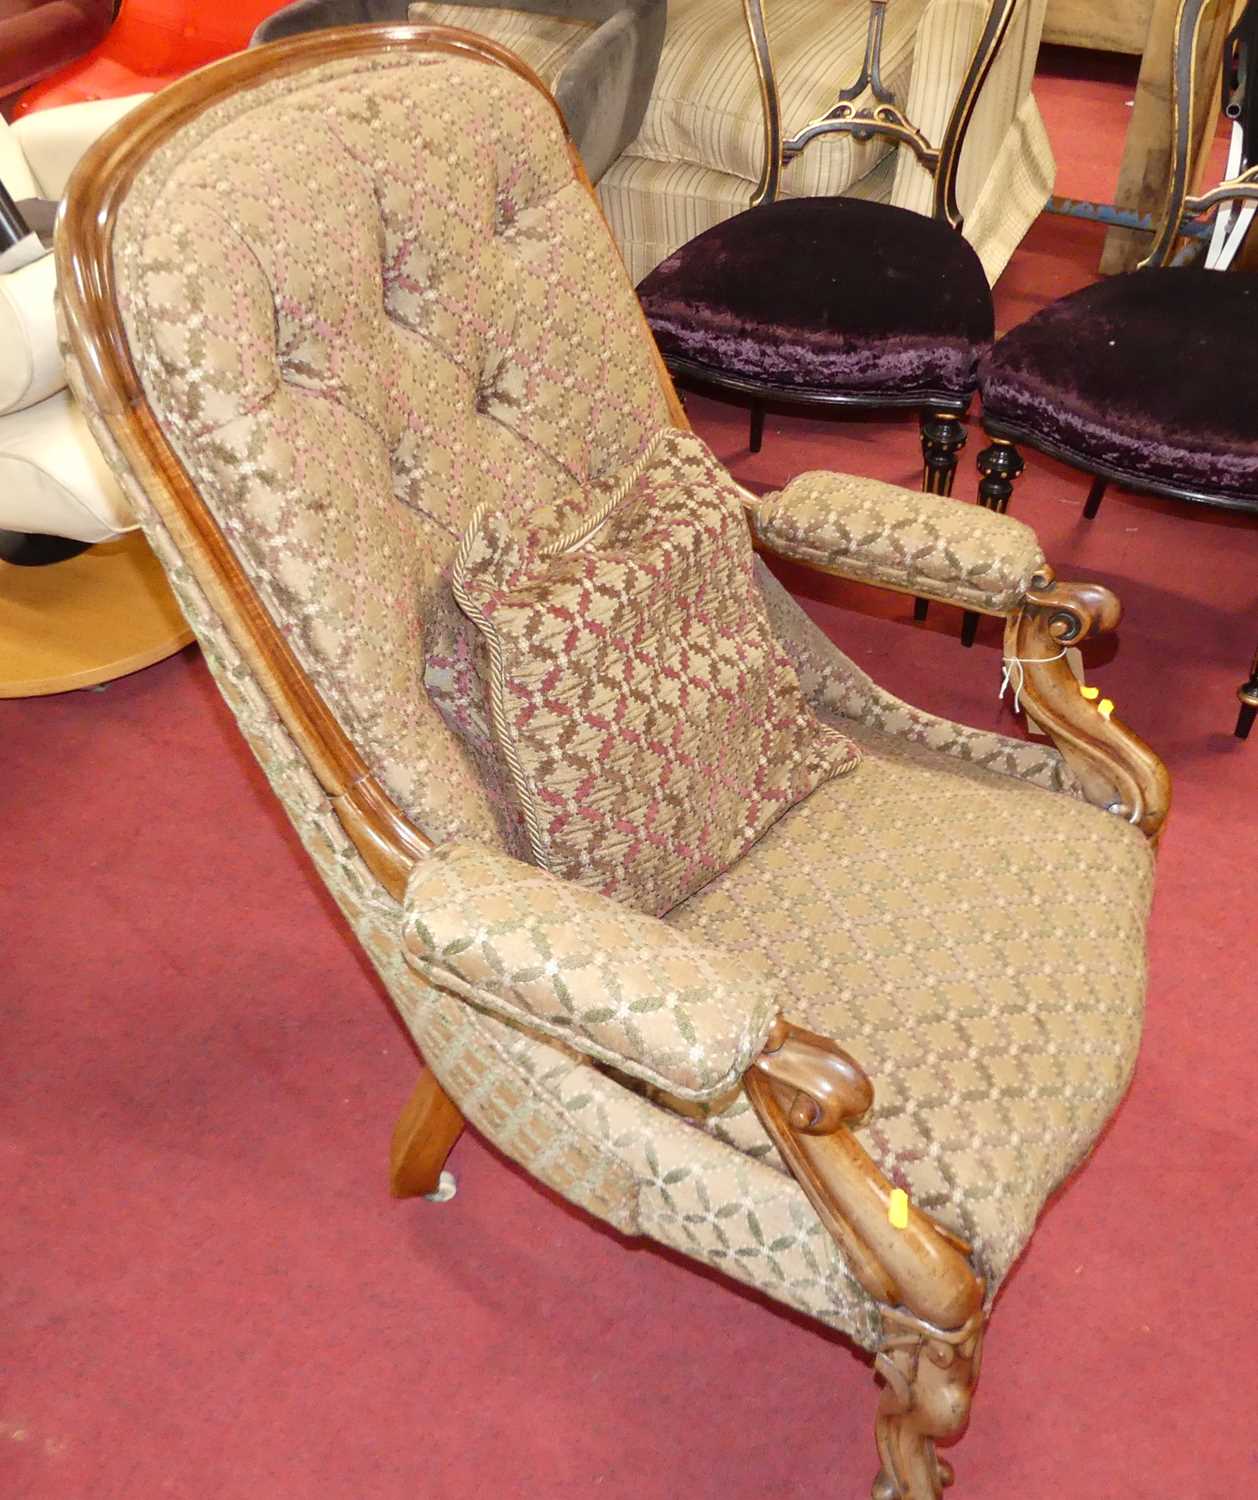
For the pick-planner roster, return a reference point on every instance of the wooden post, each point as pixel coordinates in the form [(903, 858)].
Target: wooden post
[(1146, 166)]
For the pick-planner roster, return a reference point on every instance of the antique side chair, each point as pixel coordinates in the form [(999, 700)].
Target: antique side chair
[(331, 300), (841, 301), (1147, 379)]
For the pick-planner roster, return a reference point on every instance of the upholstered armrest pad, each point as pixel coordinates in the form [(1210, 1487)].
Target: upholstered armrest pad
[(881, 533), (614, 983)]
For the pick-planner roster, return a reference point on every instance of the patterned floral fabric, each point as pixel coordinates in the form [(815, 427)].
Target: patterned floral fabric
[(574, 965), (347, 535), (347, 399), (978, 946), (881, 533), (652, 726)]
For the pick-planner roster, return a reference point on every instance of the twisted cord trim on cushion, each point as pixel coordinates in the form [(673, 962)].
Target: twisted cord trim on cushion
[(579, 534), (565, 961), (882, 533)]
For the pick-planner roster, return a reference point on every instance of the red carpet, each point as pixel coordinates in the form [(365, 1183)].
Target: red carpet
[(208, 1293)]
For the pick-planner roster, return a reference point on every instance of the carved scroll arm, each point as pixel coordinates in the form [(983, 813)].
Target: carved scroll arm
[(1115, 767), (805, 1089)]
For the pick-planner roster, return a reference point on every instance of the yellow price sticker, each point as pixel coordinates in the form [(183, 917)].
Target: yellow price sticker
[(898, 1209), (1090, 693), (1105, 707)]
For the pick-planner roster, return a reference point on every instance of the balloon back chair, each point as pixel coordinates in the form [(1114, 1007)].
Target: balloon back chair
[(347, 320), (1146, 379), (840, 301)]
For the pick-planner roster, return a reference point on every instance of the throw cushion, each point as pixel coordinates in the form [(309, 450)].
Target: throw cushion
[(651, 726)]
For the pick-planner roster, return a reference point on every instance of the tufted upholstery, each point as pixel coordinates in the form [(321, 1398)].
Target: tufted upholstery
[(355, 387), (411, 309)]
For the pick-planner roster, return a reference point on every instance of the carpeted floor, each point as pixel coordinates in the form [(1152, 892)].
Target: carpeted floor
[(208, 1293)]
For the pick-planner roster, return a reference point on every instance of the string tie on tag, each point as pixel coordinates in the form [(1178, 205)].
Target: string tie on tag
[(1015, 676)]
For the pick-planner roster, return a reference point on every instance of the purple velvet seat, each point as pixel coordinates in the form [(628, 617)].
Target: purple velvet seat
[(830, 297), (1147, 378)]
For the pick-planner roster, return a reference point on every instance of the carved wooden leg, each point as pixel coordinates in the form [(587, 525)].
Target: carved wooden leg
[(943, 438), (1248, 694), (1095, 495), (756, 434), (929, 1376), (422, 1139), (1000, 465)]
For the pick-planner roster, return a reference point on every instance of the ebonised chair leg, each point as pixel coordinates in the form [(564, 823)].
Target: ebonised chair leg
[(1095, 495), (943, 438), (1248, 694), (756, 437), (1000, 464)]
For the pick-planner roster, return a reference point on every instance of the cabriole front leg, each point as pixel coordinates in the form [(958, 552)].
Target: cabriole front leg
[(804, 1089), (929, 1376)]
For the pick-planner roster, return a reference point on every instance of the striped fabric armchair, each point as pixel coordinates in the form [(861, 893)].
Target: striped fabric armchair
[(348, 324)]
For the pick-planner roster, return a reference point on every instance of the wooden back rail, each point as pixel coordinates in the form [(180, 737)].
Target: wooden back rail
[(867, 108)]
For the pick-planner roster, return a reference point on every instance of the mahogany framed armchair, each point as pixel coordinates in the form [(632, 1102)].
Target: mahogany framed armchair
[(329, 302)]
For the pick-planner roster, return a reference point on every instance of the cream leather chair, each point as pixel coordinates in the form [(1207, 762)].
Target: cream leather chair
[(81, 597)]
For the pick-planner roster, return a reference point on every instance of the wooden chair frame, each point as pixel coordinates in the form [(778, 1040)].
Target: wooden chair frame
[(865, 109), (805, 1088)]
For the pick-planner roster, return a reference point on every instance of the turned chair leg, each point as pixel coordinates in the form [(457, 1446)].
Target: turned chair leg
[(1095, 495), (423, 1138), (1248, 694), (943, 437), (999, 464), (756, 436), (928, 1377)]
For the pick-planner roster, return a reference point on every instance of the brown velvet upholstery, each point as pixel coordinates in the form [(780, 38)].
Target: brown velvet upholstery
[(827, 295), (1149, 376)]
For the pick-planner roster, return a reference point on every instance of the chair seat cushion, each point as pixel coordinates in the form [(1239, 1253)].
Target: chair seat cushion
[(977, 944), (652, 726), (832, 295), (1149, 375)]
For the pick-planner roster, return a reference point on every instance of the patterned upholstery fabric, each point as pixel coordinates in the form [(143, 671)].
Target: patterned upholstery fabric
[(342, 401), (588, 970), (416, 193), (881, 533), (652, 726), (697, 157), (978, 946)]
